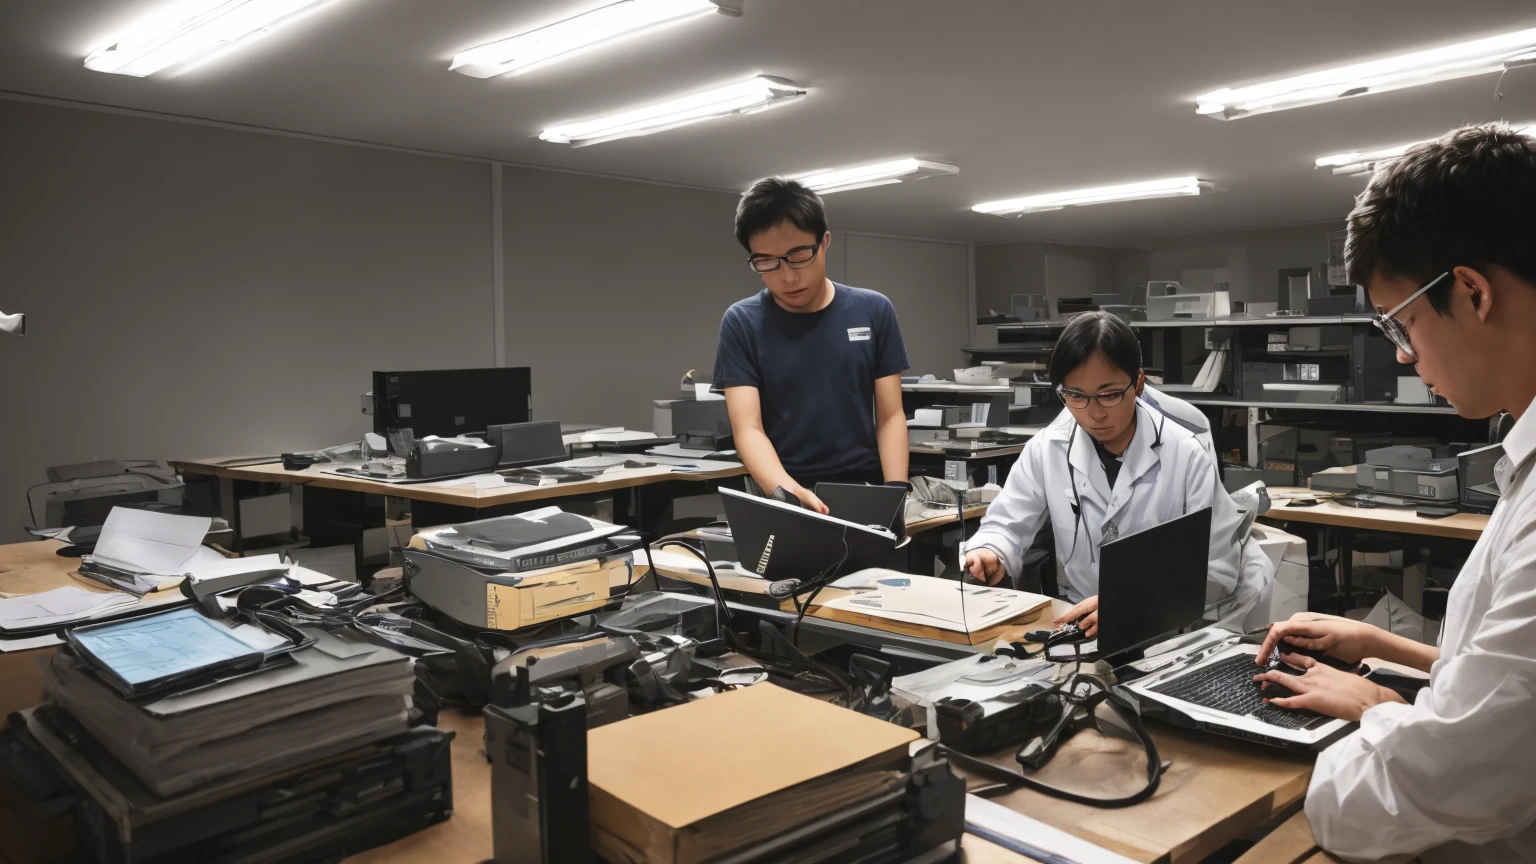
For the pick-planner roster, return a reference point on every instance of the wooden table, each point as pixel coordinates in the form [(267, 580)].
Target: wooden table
[(1214, 792), (436, 492), (32, 568), (1347, 520), (975, 511), (1462, 526), (432, 497)]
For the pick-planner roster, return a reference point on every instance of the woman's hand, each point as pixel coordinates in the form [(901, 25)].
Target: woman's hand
[(1086, 614)]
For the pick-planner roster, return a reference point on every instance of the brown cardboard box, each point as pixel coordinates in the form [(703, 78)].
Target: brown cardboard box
[(691, 783)]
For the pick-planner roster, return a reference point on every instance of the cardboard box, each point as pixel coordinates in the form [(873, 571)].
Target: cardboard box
[(702, 780)]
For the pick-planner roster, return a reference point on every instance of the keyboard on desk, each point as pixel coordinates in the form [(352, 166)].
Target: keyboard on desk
[(1228, 686)]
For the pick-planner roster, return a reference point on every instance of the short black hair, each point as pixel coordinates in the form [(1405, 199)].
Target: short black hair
[(774, 200), (1091, 333), (1467, 199)]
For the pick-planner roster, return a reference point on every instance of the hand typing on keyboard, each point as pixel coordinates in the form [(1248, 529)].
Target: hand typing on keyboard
[(1314, 686)]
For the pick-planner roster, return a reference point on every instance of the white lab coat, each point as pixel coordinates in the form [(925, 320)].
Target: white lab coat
[(1156, 484), (1452, 777)]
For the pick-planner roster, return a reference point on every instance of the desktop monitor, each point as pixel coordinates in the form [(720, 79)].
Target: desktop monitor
[(1152, 583), (528, 444), (447, 402)]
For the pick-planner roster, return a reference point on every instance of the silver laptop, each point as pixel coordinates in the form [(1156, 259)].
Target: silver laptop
[(1206, 683)]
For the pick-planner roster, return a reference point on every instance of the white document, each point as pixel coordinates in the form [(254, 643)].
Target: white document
[(680, 452), (938, 603), (933, 417), (1013, 826), (9, 645), (307, 577), (149, 542), (201, 571), (58, 607), (478, 481)]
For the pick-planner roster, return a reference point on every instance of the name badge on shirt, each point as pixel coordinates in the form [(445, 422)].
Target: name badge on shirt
[(858, 334)]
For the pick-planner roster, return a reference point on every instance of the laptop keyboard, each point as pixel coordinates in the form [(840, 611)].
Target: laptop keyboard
[(1228, 686)]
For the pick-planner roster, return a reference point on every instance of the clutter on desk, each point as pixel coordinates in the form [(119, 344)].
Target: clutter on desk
[(515, 571)]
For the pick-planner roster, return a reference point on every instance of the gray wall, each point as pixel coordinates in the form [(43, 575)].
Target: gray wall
[(1253, 257), (1054, 270), (194, 291), (614, 289), (928, 283), (197, 291)]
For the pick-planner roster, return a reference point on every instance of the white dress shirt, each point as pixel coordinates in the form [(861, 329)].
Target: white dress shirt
[(1452, 777)]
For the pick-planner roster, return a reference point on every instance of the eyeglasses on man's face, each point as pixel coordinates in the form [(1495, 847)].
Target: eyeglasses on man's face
[(796, 258), (1105, 398), (1388, 324)]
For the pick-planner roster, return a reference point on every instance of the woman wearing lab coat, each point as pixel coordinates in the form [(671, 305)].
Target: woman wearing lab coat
[(1112, 464)]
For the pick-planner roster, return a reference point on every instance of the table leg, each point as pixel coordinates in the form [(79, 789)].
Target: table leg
[(1346, 569)]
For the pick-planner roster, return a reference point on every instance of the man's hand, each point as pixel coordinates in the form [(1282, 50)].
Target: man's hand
[(1086, 614), (809, 499), (1324, 689), (983, 565), (1350, 641)]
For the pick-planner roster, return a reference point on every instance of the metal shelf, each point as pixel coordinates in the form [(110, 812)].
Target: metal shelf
[(1255, 321), (1382, 408)]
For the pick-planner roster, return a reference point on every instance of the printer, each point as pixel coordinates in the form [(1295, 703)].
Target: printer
[(1409, 472), (517, 571)]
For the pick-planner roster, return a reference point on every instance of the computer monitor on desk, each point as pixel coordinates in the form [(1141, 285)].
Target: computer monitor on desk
[(1152, 583), (448, 402)]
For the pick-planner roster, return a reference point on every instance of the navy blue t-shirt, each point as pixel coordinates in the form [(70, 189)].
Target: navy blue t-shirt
[(815, 375)]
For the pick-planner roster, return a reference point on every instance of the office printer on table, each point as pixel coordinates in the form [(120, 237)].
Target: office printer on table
[(1408, 472)]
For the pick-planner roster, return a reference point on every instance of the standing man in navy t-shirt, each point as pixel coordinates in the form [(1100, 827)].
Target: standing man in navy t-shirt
[(811, 370)]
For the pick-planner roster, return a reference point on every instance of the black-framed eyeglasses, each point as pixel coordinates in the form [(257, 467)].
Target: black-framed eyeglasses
[(1079, 399), (1388, 324), (796, 258)]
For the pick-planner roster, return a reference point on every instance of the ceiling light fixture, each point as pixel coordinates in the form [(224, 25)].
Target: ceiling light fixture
[(1358, 162), (746, 97), (1478, 57), (187, 32), (558, 41), (877, 174), (1169, 188)]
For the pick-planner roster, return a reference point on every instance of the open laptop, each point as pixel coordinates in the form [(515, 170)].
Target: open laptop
[(778, 541), (882, 506), (527, 444), (1151, 586)]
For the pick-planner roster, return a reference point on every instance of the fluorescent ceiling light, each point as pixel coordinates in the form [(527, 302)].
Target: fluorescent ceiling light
[(558, 41), (746, 97), (1359, 162), (1169, 188), (1477, 57), (877, 174), (195, 30)]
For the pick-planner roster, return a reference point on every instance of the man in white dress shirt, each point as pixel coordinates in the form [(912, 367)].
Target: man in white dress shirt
[(1445, 242)]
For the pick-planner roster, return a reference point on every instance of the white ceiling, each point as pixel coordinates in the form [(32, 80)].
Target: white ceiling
[(1026, 96)]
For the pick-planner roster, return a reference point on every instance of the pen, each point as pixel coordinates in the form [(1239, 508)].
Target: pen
[(1018, 846)]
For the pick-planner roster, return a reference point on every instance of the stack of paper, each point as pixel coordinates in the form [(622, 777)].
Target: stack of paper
[(59, 607), (339, 694), (141, 551)]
